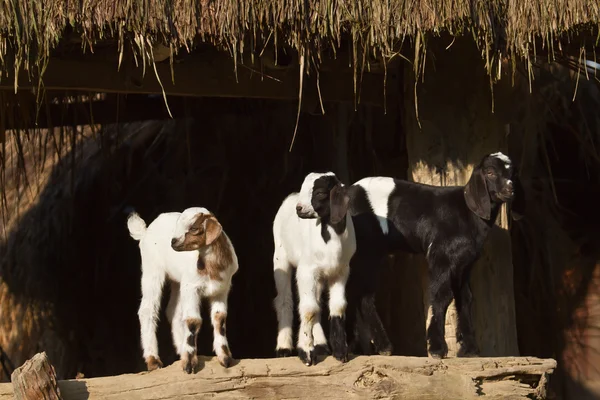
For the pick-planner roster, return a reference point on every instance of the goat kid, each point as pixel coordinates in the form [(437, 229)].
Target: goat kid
[(447, 224), (192, 250), (313, 232)]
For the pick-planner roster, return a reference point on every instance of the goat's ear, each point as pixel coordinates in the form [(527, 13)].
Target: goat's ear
[(477, 196), (518, 205), (212, 229), (339, 200)]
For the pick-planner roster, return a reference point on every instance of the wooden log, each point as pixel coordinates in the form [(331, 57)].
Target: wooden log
[(362, 377), (35, 380)]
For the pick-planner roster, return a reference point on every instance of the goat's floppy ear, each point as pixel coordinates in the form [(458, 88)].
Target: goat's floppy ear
[(339, 199), (477, 196), (518, 205), (212, 229)]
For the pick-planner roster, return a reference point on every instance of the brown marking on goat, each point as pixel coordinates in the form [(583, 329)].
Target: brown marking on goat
[(219, 321), (225, 349), (309, 316), (194, 325), (209, 232), (153, 363)]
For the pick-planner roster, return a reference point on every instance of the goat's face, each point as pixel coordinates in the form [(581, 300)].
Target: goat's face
[(195, 229), (322, 195), (498, 172), (492, 181)]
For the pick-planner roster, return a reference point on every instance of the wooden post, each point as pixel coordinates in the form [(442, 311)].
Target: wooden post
[(35, 380), (456, 128)]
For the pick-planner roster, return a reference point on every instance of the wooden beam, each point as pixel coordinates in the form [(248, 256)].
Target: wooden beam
[(361, 378), (205, 74)]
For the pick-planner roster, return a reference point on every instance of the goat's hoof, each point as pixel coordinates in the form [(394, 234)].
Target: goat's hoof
[(283, 353), (386, 353), (322, 349), (309, 358), (153, 363), (190, 363), (226, 361), (341, 353), (438, 350), (468, 350)]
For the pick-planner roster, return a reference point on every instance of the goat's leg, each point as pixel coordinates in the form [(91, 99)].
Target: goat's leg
[(379, 338), (190, 309), (284, 303), (465, 333), (441, 297), (337, 313), (174, 317), (152, 284), (321, 346), (218, 317), (308, 308)]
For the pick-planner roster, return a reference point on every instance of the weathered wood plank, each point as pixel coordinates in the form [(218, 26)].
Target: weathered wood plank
[(362, 377), (209, 74), (35, 380)]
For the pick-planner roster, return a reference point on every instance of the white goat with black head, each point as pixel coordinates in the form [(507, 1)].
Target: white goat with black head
[(313, 233), (192, 250)]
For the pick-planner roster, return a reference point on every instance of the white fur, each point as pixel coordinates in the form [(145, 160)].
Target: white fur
[(504, 158), (159, 262), (298, 243), (378, 190), (306, 191)]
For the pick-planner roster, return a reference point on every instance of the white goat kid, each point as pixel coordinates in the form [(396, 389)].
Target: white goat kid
[(194, 253), (313, 232)]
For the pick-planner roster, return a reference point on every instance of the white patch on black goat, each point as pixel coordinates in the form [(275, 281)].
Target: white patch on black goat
[(378, 190), (499, 155)]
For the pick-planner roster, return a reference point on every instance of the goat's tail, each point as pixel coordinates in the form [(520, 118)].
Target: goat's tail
[(136, 226)]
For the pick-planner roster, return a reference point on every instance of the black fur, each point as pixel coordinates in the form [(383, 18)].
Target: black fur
[(330, 201), (447, 224), (337, 338)]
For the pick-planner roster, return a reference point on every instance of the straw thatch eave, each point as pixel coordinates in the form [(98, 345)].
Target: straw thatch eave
[(30, 30)]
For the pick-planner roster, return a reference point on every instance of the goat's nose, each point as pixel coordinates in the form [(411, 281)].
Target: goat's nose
[(173, 241), (298, 208)]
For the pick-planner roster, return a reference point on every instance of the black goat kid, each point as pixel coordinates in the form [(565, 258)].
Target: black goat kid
[(447, 224)]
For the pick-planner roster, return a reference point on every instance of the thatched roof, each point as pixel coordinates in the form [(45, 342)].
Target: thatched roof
[(31, 29)]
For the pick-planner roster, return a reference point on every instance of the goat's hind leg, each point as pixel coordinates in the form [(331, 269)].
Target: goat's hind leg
[(284, 303), (174, 316), (152, 283)]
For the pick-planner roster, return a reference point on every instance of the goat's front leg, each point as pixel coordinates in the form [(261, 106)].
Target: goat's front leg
[(308, 308), (218, 316), (441, 297), (190, 309), (465, 333), (337, 314), (320, 340), (148, 314)]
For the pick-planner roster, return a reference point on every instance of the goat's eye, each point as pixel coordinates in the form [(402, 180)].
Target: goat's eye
[(321, 195), (194, 230), (491, 173)]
